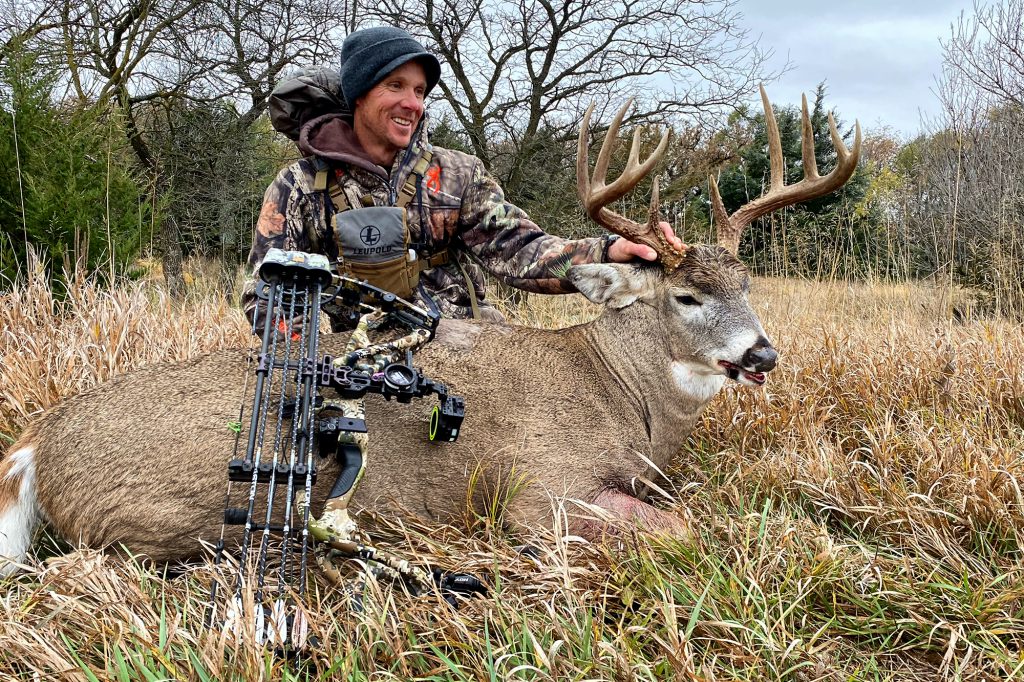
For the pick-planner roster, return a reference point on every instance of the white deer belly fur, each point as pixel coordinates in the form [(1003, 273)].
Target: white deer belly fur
[(697, 381), (18, 520)]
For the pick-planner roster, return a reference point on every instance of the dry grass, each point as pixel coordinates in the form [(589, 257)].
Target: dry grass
[(860, 518), (51, 348)]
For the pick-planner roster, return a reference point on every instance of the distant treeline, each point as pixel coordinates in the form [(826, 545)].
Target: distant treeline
[(124, 133)]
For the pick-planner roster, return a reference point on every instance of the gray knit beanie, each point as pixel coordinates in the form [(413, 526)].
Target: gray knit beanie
[(372, 53)]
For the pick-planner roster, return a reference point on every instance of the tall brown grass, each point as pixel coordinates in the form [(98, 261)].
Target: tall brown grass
[(54, 346), (861, 517)]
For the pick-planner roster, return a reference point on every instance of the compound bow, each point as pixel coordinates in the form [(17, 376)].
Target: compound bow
[(305, 406)]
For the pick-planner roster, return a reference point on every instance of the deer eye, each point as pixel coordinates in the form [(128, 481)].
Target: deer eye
[(686, 299)]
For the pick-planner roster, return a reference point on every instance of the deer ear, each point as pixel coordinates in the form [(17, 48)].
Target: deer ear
[(613, 284)]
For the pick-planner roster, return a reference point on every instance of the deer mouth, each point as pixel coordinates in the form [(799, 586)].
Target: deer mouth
[(737, 373)]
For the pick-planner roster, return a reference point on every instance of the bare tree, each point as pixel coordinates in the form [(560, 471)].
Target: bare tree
[(519, 72), (969, 176), (144, 57), (243, 48), (20, 22), (986, 49)]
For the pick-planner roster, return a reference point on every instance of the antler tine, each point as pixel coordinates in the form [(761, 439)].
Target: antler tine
[(583, 159), (778, 177), (595, 194), (806, 140), (604, 156), (779, 194)]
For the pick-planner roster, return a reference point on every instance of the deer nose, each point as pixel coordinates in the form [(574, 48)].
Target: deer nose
[(761, 357)]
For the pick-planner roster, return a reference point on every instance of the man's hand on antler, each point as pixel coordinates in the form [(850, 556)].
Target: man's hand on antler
[(623, 250)]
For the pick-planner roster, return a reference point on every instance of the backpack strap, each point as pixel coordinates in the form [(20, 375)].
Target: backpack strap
[(340, 201), (408, 190), (439, 258), (322, 182), (473, 304), (436, 260), (320, 179)]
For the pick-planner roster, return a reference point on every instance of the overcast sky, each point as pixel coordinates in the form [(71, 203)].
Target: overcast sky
[(879, 58)]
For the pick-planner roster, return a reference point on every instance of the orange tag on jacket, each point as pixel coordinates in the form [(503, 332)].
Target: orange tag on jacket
[(434, 179)]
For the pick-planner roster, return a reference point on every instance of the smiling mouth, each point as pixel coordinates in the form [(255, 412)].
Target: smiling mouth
[(403, 122), (734, 372)]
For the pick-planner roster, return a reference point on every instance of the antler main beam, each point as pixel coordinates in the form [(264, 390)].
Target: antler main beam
[(779, 194), (596, 195)]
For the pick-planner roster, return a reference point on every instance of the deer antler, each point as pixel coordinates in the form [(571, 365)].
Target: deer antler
[(779, 194), (595, 194)]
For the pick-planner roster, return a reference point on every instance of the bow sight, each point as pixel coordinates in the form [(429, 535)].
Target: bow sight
[(305, 408)]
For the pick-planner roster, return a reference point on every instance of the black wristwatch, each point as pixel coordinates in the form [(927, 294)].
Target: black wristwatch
[(609, 239)]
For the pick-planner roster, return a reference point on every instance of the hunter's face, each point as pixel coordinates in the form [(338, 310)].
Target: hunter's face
[(386, 116)]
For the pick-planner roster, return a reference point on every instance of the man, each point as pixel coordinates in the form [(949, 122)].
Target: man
[(412, 218)]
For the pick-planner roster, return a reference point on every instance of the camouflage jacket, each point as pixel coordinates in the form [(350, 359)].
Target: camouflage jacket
[(458, 206)]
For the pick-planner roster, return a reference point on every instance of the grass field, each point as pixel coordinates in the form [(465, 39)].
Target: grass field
[(859, 518)]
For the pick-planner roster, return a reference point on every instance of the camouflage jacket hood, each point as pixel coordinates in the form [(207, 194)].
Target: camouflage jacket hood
[(458, 206), (332, 139)]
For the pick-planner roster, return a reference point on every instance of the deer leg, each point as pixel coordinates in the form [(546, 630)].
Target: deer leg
[(623, 507)]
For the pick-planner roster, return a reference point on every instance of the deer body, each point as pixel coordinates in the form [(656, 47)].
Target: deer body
[(141, 460)]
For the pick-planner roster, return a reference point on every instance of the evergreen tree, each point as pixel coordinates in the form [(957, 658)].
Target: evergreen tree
[(65, 188), (826, 235)]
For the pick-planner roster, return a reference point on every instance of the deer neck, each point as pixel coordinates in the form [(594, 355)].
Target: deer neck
[(668, 394)]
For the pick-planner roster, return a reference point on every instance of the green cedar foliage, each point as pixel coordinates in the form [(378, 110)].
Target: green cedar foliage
[(66, 188), (833, 235)]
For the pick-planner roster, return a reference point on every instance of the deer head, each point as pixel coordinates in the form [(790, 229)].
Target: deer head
[(696, 302)]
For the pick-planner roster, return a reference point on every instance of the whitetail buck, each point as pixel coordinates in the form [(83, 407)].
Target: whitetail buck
[(578, 413)]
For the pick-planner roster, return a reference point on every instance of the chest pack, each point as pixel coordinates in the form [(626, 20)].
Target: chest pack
[(373, 241)]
